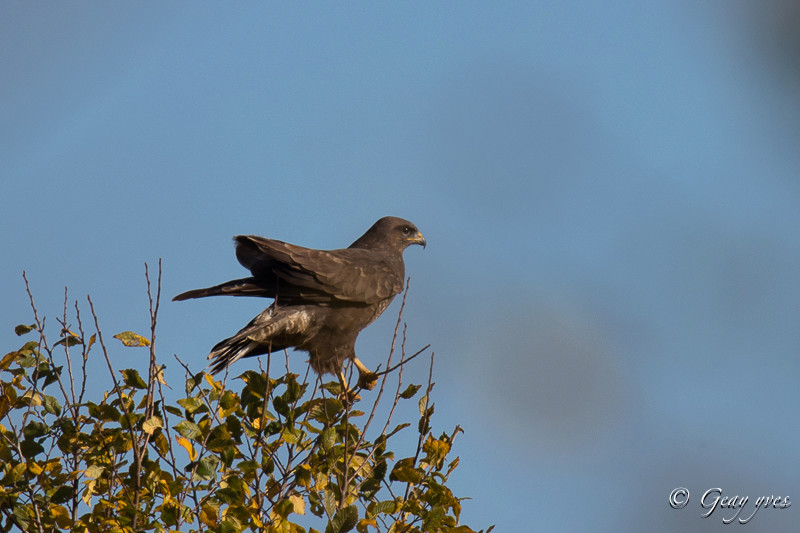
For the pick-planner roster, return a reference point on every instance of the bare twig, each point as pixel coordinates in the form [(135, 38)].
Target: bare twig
[(425, 414), (137, 454), (85, 352), (151, 373)]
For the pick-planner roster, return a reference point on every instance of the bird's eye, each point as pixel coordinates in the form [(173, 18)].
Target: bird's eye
[(407, 230)]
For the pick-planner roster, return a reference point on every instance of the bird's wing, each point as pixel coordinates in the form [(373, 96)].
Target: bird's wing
[(349, 275)]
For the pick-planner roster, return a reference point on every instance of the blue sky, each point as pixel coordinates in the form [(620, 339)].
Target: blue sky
[(609, 192)]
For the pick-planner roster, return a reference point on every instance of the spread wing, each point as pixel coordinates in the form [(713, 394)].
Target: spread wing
[(294, 272)]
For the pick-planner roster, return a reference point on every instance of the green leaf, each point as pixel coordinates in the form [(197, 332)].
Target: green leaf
[(30, 448), (26, 361), (193, 381), (405, 471), (228, 401), (423, 404), (434, 518), (21, 516), (328, 438), (410, 391), (248, 466), (51, 377), (132, 339), (62, 494), (344, 520), (191, 404), (14, 474), (206, 468), (384, 507), (425, 420), (35, 429), (325, 409), (104, 412), (132, 378), (283, 508), (291, 435), (281, 406), (190, 430), (330, 502), (397, 428), (171, 409), (22, 329), (169, 514), (51, 405), (69, 339)]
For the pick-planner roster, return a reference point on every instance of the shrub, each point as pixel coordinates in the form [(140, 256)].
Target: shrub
[(281, 454)]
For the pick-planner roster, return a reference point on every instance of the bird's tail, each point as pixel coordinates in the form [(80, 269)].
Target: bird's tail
[(273, 330), (226, 352), (236, 287)]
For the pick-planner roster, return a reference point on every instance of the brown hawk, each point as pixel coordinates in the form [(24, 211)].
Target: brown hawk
[(323, 298)]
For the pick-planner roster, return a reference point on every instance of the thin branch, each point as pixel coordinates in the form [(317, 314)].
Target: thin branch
[(404, 361), (123, 404), (86, 348), (425, 414), (153, 320), (69, 359)]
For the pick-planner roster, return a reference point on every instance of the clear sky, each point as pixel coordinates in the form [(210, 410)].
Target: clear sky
[(609, 191)]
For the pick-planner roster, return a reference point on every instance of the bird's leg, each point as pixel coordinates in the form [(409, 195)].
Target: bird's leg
[(366, 378), (347, 395)]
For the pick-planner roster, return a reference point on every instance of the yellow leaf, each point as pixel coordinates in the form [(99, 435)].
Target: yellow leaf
[(16, 472), (151, 424), (209, 516), (299, 503), (7, 359), (217, 385), (94, 471), (61, 516), (166, 493), (34, 468), (161, 443), (34, 398), (188, 446), (52, 464), (87, 494), (130, 338), (160, 375), (363, 523)]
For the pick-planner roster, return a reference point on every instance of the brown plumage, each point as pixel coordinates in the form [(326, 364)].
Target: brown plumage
[(323, 298)]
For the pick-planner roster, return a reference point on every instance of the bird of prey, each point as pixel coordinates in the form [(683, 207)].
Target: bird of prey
[(322, 298)]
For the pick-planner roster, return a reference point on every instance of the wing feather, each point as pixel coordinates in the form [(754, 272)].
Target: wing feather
[(347, 275)]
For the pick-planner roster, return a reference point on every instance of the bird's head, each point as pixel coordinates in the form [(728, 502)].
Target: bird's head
[(393, 232), (408, 234)]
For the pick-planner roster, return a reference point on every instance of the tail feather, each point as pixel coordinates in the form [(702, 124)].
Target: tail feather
[(272, 330), (236, 287), (229, 351), (243, 344)]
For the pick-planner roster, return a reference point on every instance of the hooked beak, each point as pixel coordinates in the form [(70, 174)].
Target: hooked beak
[(418, 239)]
